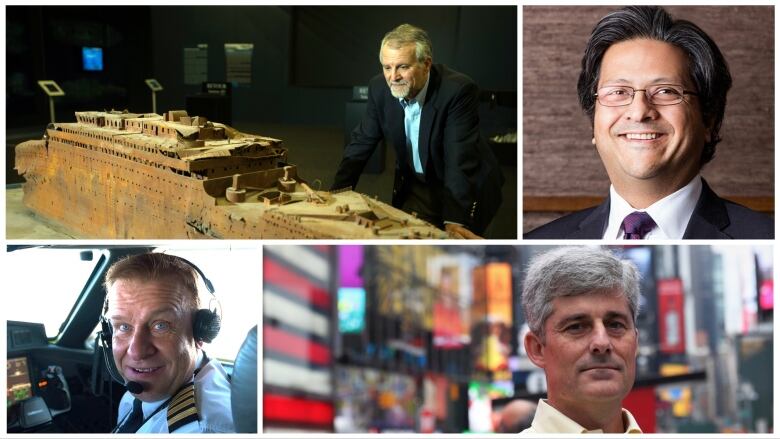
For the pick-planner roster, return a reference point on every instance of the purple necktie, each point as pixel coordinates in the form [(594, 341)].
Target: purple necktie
[(637, 224)]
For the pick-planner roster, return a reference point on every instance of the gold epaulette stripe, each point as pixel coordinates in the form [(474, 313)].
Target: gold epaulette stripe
[(186, 393), (192, 413), (174, 410), (182, 393), (182, 409), (179, 407)]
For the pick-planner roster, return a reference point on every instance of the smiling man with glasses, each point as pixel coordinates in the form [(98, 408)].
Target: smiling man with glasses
[(655, 91)]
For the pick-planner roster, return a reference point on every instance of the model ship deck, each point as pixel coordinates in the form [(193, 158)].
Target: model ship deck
[(124, 175)]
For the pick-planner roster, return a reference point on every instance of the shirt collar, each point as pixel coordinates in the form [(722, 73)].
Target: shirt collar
[(149, 407), (671, 213), (549, 420), (420, 98)]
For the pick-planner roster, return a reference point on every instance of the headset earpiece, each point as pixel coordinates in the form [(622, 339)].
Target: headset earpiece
[(206, 325), (106, 332)]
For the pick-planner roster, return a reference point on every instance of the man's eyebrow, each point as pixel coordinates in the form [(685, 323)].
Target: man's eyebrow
[(658, 80), (571, 318), (154, 314), (585, 316), (164, 311), (617, 314)]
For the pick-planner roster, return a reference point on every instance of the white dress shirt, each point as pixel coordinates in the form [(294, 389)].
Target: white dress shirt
[(671, 213), (412, 115), (212, 398), (549, 420)]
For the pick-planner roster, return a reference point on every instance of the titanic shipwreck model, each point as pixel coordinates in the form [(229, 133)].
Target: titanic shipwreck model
[(123, 175)]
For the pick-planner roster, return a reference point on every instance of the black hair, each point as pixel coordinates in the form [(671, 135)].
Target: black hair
[(706, 65)]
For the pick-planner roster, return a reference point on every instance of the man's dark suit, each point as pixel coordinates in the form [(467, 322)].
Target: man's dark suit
[(713, 218), (460, 170)]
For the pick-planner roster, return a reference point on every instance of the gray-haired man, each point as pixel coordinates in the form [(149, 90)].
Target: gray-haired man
[(581, 305), (445, 171)]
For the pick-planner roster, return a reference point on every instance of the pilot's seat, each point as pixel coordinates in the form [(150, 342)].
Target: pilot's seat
[(243, 386)]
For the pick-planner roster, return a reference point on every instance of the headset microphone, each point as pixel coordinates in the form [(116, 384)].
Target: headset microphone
[(134, 387)]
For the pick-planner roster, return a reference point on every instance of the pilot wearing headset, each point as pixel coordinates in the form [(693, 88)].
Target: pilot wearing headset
[(154, 327)]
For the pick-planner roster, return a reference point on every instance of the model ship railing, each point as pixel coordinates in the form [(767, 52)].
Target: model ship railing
[(180, 147)]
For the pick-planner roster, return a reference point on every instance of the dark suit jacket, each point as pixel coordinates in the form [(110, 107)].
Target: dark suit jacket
[(713, 218), (459, 166)]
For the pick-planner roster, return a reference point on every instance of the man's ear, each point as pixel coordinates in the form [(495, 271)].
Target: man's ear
[(636, 342), (428, 63), (199, 344), (534, 348)]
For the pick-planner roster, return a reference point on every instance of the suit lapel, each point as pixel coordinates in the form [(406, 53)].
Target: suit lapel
[(709, 217), (426, 126), (395, 123), (594, 225), (429, 115)]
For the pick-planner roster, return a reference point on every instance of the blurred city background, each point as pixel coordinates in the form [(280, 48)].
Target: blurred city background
[(425, 338)]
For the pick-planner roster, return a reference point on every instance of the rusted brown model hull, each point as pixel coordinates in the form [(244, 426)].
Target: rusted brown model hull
[(98, 195)]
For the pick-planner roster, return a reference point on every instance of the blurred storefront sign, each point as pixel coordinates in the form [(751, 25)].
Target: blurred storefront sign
[(671, 316)]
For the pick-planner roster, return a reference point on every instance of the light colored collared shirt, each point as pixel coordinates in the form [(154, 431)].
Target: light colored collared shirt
[(412, 114), (212, 398), (671, 213), (549, 420)]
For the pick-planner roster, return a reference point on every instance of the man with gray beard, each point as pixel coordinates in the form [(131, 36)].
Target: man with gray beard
[(444, 170)]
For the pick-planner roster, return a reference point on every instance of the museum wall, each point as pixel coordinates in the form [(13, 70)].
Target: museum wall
[(46, 43), (306, 59), (561, 169), (304, 64)]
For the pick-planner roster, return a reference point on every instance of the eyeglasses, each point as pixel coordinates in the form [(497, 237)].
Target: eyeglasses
[(660, 94)]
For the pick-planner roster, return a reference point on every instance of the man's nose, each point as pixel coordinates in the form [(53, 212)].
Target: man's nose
[(640, 108), (600, 343), (140, 345), (395, 74)]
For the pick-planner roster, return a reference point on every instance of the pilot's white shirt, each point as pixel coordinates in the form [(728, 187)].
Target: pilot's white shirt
[(212, 398)]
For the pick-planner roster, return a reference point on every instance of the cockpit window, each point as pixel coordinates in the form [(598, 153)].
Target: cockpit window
[(45, 283)]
